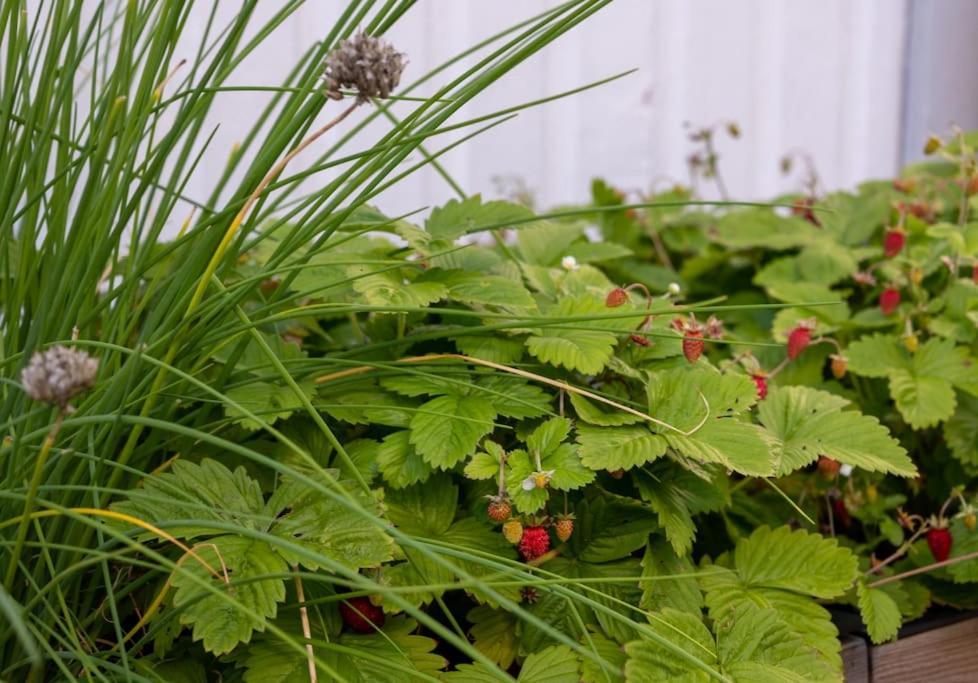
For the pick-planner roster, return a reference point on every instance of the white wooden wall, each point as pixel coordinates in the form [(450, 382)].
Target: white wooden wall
[(826, 76)]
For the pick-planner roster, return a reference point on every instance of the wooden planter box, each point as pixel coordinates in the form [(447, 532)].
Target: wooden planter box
[(944, 650)]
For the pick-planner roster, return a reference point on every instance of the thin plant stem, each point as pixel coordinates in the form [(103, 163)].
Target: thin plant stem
[(32, 488)]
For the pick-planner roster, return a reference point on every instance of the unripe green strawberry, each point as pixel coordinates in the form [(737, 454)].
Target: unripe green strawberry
[(970, 521), (564, 527), (499, 508), (513, 531)]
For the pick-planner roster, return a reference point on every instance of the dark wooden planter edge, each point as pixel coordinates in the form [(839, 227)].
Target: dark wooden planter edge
[(943, 649)]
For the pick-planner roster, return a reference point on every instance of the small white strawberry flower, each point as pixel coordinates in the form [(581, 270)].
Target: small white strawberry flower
[(537, 480), (569, 263), (674, 288), (845, 470)]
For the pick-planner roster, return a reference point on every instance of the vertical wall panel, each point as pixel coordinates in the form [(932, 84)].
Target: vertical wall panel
[(825, 76)]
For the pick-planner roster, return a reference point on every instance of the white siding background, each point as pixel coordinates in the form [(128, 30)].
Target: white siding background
[(857, 84)]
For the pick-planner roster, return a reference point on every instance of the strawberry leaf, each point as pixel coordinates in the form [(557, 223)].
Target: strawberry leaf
[(807, 423), (446, 429), (879, 612), (239, 607)]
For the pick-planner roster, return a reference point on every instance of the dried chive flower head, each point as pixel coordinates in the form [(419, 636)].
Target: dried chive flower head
[(364, 63), (58, 374)]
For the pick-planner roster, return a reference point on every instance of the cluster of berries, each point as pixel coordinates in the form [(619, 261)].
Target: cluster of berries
[(533, 540)]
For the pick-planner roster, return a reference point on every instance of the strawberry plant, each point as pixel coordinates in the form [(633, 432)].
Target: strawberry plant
[(301, 439)]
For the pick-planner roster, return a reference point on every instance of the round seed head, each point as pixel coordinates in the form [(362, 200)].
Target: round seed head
[(364, 63), (58, 374)]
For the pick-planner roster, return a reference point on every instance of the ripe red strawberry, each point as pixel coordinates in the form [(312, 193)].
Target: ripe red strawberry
[(840, 364), (361, 615), (760, 381), (841, 513), (535, 542), (889, 300), (499, 508), (799, 338), (939, 540), (564, 527), (893, 241), (616, 297), (828, 467), (513, 531), (692, 341)]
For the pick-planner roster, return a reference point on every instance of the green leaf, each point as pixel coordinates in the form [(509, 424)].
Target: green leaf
[(448, 428), (485, 464), (923, 401), (738, 446), (399, 462), (618, 448), (649, 661), (544, 243), (207, 491), (921, 384), (669, 581), (961, 431), (609, 530), (249, 600), (503, 350), (795, 561), (877, 355), (879, 612), (397, 655), (590, 412), (577, 346), (726, 593), (480, 288), (546, 438), (369, 406), (269, 401), (463, 217), (512, 397), (391, 288), (610, 652), (425, 510), (683, 397), (555, 664), (965, 542), (756, 646), (671, 504), (493, 634), (807, 423), (610, 590), (315, 522), (762, 228)]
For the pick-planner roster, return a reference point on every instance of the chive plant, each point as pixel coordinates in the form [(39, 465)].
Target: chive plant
[(104, 123)]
